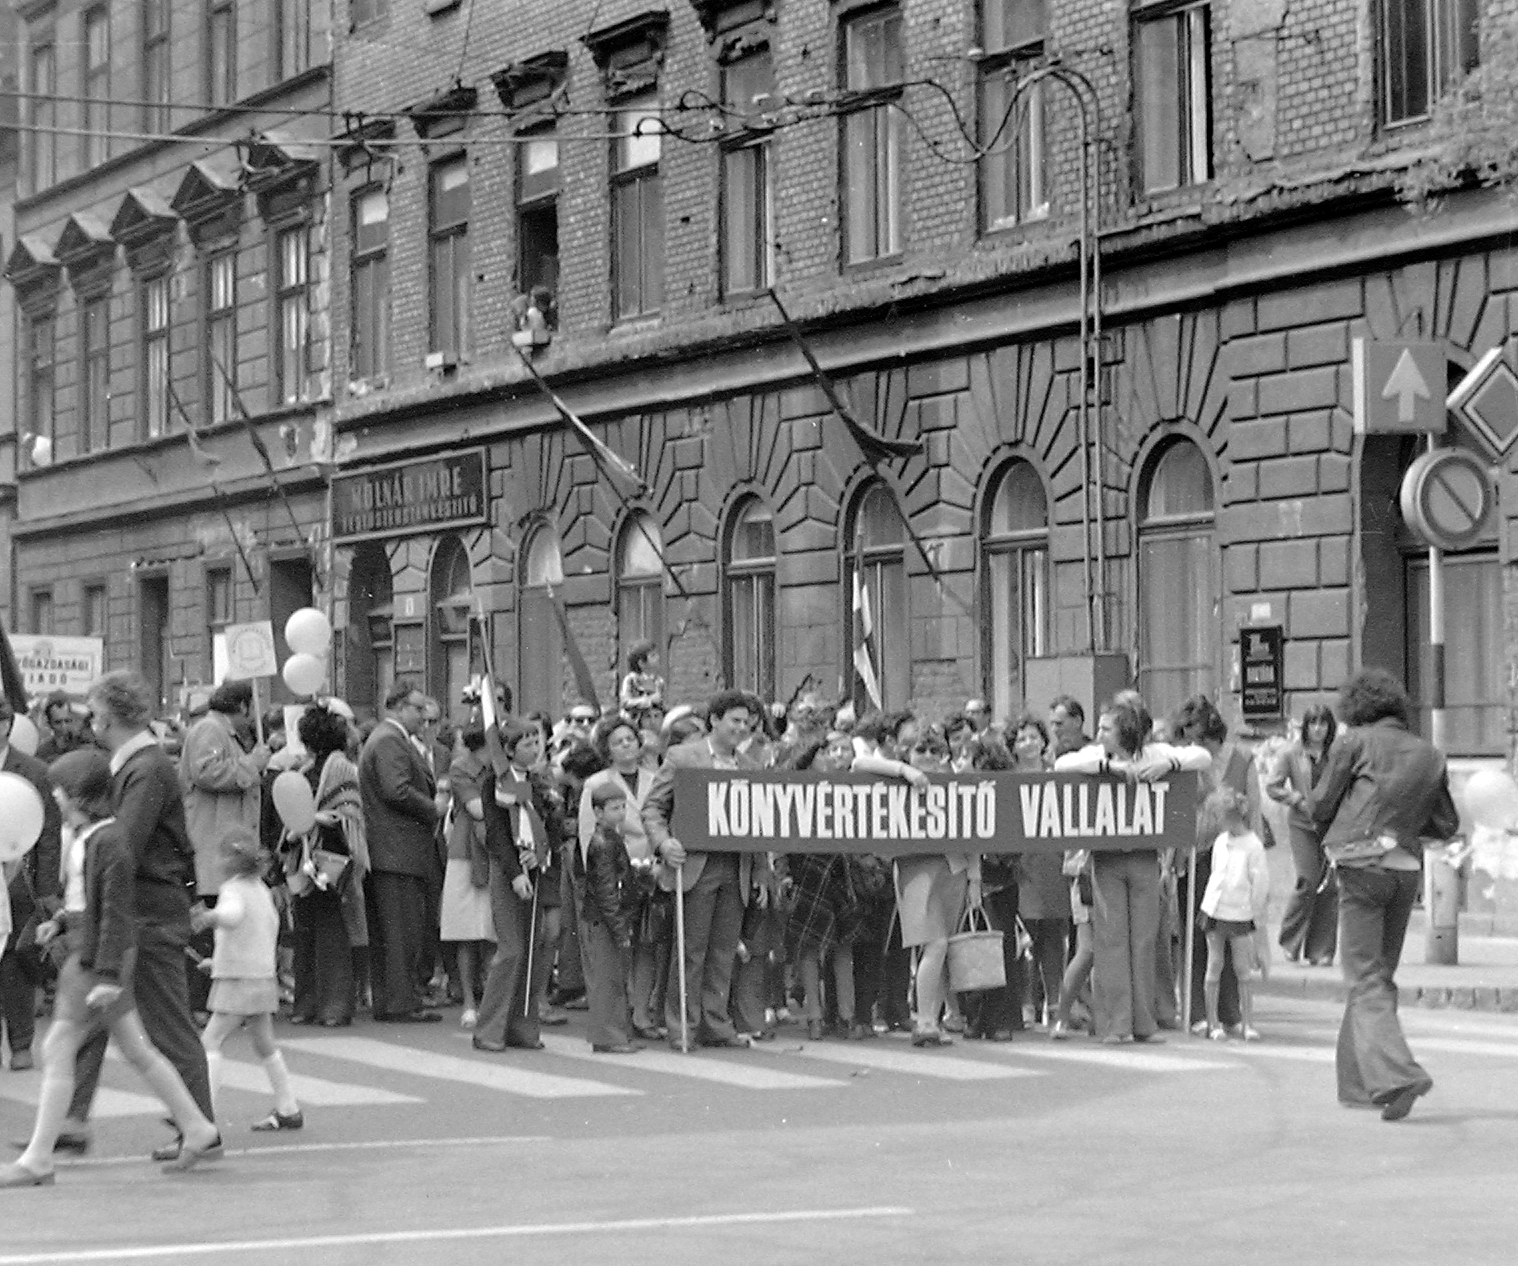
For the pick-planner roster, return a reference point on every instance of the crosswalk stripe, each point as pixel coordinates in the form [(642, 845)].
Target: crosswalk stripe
[(108, 1102), (487, 1072), (876, 1055), (703, 1068), (313, 1092), (1126, 1057)]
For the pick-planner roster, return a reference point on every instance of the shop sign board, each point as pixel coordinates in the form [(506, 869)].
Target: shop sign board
[(406, 498), (1262, 672), (49, 663)]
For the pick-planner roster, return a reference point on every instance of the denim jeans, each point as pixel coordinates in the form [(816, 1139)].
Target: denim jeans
[(1374, 1061)]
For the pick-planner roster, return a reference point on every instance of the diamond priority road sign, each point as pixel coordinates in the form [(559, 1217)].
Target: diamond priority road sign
[(1399, 387), (1487, 398)]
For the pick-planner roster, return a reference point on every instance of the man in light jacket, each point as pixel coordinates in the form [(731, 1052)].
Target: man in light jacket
[(222, 783)]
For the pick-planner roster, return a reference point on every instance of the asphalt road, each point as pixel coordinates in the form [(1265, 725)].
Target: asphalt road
[(419, 1150)]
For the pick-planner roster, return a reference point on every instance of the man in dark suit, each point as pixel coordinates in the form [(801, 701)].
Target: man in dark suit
[(150, 814), (33, 891), (522, 835), (715, 884), (400, 817)]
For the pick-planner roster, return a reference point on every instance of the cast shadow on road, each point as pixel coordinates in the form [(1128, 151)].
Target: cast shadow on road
[(1461, 1118)]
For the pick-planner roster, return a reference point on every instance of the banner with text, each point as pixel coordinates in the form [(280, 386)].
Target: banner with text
[(51, 663), (780, 811)]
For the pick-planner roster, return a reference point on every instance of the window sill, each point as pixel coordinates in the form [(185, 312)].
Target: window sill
[(864, 267), (638, 324)]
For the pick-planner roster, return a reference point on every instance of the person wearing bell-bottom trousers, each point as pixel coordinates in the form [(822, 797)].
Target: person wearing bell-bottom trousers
[(505, 1017), (1126, 917), (1382, 792)]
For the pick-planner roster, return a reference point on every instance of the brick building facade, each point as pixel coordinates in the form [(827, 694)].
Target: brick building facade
[(1247, 154), (169, 274)]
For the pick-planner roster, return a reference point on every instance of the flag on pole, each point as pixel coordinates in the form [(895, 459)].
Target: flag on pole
[(864, 649)]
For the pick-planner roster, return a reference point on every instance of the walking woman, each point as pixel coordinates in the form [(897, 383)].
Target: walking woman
[(620, 745), (1127, 881), (95, 983), (1382, 791), (324, 991), (1310, 925)]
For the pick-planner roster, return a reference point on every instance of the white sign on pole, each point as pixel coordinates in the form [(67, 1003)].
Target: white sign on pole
[(250, 651), (50, 663)]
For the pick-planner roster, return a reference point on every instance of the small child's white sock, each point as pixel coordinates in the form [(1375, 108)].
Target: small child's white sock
[(279, 1082)]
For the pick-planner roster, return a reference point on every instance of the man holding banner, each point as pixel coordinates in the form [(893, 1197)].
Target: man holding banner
[(714, 885)]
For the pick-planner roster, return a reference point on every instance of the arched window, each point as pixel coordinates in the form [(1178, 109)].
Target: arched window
[(640, 587), (1015, 549), (877, 559), (450, 660), (1179, 578), (371, 633), (540, 645), (749, 579)]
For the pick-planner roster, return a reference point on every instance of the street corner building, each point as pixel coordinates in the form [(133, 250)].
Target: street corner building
[(1059, 342)]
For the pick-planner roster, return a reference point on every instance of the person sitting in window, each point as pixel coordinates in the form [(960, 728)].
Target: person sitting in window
[(642, 689)]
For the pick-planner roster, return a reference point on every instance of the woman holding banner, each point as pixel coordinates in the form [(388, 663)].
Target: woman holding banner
[(931, 891), (1126, 913)]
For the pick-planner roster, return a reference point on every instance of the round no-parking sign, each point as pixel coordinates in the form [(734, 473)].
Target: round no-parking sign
[(1447, 498)]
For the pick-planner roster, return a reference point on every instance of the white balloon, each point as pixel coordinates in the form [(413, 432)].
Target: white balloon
[(20, 816), (24, 734), (1490, 799), (308, 632), (305, 674)]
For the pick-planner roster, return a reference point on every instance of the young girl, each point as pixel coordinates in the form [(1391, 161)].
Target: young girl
[(466, 921), (94, 985), (642, 688), (1233, 905), (244, 989)]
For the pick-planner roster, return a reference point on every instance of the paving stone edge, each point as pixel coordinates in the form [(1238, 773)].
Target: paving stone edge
[(1456, 998)]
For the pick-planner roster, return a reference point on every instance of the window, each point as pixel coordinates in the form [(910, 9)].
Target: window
[(452, 618), (154, 314), (538, 212), (637, 211), (221, 52), (450, 257), (95, 377), (153, 645), (1015, 551), (364, 11), (292, 250), (1174, 99), (42, 611), (94, 610), (292, 37), (874, 136), (540, 650), (1013, 188), (1426, 45), (1475, 675), (750, 600), (640, 586), (878, 544), (42, 112), (218, 606), (41, 353), (1179, 579), (97, 85), (747, 177), (220, 306), (155, 65), (370, 326)]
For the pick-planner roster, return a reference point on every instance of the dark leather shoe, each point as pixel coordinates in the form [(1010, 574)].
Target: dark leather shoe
[(420, 1016), (172, 1153), (1001, 1035), (485, 1044), (621, 1048), (737, 1042), (21, 1061), (1396, 1106), (525, 1046)]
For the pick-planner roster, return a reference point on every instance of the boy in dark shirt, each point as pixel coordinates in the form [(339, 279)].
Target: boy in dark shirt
[(607, 920)]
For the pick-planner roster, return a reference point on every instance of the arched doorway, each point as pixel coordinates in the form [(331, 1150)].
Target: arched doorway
[(540, 645), (450, 658), (371, 636)]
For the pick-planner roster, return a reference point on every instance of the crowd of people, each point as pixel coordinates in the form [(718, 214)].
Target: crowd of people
[(521, 868)]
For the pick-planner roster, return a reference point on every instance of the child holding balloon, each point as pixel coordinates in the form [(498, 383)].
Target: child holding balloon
[(245, 987)]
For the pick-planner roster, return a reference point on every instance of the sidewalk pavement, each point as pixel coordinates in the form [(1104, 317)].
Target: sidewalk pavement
[(1485, 979)]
